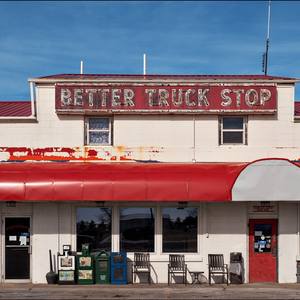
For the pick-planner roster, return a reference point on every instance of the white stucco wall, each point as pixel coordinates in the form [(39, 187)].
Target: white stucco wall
[(172, 136), (287, 242), (222, 228)]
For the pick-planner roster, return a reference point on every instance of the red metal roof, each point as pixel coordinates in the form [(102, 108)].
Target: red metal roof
[(138, 76), (15, 108), (297, 109), (118, 181)]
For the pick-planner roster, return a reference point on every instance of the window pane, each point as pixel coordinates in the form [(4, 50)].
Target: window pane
[(232, 137), (233, 122), (99, 138), (180, 230), (262, 238), (99, 123), (137, 229), (94, 228)]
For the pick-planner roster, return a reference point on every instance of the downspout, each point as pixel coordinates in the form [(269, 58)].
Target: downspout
[(194, 139), (32, 99), (298, 244), (33, 110)]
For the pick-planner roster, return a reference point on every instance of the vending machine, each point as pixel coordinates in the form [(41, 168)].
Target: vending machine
[(118, 267), (102, 268), (66, 266), (85, 266)]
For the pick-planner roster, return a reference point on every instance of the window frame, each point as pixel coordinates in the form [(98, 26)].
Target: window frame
[(244, 130), (109, 130)]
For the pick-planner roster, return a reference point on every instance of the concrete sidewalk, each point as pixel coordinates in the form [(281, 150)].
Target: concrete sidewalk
[(155, 291)]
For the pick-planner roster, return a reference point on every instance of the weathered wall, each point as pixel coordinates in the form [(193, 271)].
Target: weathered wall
[(287, 242), (222, 228), (150, 137)]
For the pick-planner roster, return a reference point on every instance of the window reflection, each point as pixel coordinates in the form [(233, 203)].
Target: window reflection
[(180, 229), (137, 229), (94, 228)]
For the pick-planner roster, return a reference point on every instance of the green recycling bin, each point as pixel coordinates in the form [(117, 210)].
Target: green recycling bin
[(102, 268), (85, 266)]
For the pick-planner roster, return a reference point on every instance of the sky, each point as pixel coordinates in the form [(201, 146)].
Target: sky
[(40, 38)]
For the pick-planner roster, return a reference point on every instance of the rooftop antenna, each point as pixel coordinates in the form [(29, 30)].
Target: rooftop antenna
[(266, 53), (144, 64), (81, 67)]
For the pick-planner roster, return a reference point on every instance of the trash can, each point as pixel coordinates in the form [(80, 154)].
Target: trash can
[(118, 267), (236, 268), (102, 268), (298, 270)]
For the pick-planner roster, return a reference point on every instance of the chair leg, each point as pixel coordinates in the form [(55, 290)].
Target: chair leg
[(168, 277), (227, 278), (209, 278), (149, 277)]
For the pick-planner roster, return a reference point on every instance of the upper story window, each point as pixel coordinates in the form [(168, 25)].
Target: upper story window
[(233, 130), (98, 131)]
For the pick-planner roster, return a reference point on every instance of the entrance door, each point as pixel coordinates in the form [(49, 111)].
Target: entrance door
[(263, 250), (17, 248)]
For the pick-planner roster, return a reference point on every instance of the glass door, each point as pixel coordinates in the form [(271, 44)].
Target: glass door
[(17, 248)]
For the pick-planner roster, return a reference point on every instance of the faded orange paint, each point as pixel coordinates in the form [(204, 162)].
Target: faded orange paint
[(120, 148)]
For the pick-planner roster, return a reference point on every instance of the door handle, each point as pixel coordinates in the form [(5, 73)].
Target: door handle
[(274, 251), (30, 249)]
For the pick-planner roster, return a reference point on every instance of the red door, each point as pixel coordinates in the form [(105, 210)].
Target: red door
[(263, 250)]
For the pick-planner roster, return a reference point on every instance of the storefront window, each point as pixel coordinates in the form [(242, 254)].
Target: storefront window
[(180, 229), (137, 229), (94, 228)]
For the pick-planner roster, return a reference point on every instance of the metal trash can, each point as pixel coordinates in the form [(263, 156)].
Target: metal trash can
[(298, 270), (236, 268), (102, 269)]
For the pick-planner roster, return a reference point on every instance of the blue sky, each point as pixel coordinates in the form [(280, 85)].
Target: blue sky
[(179, 37)]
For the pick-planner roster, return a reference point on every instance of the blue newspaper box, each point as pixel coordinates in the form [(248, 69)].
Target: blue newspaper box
[(118, 267)]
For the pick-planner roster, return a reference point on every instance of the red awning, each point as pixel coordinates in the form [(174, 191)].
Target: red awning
[(118, 181)]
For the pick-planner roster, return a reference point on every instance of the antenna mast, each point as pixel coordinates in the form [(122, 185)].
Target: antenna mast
[(144, 64), (266, 54)]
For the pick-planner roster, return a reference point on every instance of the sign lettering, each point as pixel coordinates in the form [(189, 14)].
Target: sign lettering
[(121, 98)]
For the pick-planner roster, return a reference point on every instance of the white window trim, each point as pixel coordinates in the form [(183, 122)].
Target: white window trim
[(88, 130), (243, 130)]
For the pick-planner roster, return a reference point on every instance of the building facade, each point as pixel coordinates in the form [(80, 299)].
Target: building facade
[(161, 164)]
